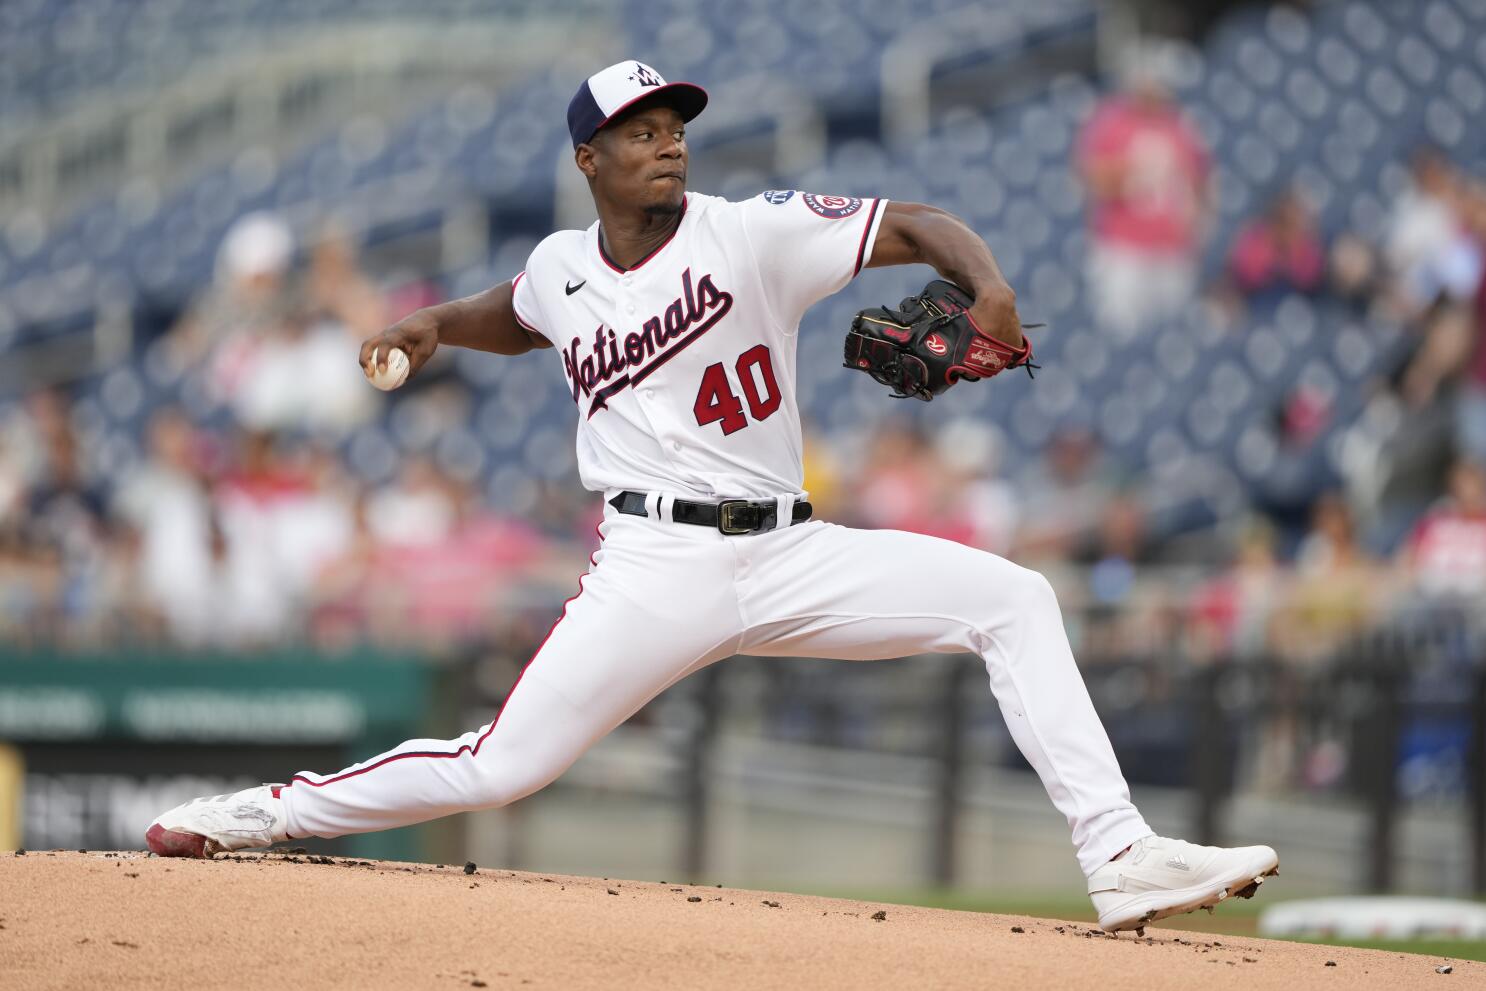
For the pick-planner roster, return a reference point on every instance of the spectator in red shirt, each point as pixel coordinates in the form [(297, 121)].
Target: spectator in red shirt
[(1230, 614), (904, 485), (1278, 251), (1146, 170), (1446, 554)]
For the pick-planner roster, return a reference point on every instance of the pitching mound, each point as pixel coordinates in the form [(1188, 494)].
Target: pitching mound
[(125, 920)]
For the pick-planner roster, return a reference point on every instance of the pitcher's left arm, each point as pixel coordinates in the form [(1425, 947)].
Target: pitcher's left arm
[(917, 233)]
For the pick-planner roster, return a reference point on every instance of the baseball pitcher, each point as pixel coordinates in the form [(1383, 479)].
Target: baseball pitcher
[(673, 321)]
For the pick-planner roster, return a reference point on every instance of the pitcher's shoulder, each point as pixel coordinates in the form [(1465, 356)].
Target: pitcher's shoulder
[(763, 199), (718, 210), (560, 245)]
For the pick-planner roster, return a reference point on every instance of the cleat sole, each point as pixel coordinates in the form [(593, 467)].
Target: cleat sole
[(1208, 901), (1252, 888)]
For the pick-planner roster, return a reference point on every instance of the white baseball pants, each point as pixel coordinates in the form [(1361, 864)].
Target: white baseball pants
[(664, 599)]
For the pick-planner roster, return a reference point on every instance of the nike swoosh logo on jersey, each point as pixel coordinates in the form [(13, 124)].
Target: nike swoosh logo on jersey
[(572, 288), (614, 364)]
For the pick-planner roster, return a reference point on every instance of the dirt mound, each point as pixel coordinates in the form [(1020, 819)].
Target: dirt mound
[(124, 920)]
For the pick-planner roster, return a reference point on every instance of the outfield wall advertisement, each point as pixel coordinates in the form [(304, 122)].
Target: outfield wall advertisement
[(96, 746)]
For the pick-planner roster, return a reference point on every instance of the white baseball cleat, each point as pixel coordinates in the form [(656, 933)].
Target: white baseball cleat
[(1158, 877), (203, 827)]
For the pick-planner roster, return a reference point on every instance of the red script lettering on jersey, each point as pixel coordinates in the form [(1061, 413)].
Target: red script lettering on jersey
[(611, 366)]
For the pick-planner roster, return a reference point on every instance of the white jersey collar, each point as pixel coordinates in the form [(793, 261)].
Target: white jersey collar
[(613, 266)]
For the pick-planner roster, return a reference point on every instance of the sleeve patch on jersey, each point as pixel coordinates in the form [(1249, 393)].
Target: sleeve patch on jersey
[(777, 196), (832, 207)]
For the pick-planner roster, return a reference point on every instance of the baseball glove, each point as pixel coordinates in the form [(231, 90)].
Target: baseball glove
[(928, 344)]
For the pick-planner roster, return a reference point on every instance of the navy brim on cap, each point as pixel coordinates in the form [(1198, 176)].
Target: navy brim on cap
[(610, 92)]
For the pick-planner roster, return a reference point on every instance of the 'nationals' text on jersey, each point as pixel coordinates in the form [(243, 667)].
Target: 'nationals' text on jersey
[(688, 317), (683, 365)]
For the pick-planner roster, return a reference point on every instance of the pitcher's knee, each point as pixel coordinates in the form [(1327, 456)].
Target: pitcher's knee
[(504, 780), (1030, 592)]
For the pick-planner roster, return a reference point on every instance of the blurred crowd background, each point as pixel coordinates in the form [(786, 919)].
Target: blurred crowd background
[(1256, 232), (1311, 264)]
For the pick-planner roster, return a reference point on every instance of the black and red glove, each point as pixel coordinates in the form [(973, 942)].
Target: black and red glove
[(928, 343)]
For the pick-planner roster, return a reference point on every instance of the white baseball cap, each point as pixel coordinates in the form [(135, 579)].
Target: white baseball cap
[(256, 244), (608, 92)]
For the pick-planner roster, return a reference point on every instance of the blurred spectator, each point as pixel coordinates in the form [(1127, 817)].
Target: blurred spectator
[(247, 503), (282, 522), (1069, 486), (1444, 351), (1422, 219), (66, 526), (1446, 554), (1470, 416), (417, 508), (823, 474), (1116, 550), (351, 601), (249, 292), (282, 356), (891, 489), (294, 374), (445, 587), (62, 507), (168, 504), (1278, 252), (457, 585), (1146, 169), (31, 589), (906, 486), (1230, 614), (1394, 461), (31, 430), (336, 290), (33, 575), (1430, 251), (970, 452), (1338, 587), (1355, 271), (316, 525)]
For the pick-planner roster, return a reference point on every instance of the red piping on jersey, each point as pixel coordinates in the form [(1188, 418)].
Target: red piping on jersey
[(466, 748), (653, 251), (862, 248), (517, 313)]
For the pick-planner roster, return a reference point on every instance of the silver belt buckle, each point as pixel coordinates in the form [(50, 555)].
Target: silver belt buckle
[(725, 522)]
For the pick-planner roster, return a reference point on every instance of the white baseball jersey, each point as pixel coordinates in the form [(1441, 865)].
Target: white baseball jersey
[(683, 366)]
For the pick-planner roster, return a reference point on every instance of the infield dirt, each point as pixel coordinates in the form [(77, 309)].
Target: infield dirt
[(124, 920)]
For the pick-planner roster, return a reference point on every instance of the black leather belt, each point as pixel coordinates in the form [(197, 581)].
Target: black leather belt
[(734, 517)]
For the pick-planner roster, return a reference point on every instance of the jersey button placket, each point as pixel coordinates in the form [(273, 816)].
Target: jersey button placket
[(627, 295), (625, 305)]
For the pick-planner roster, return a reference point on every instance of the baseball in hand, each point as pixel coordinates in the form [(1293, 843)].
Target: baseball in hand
[(394, 375)]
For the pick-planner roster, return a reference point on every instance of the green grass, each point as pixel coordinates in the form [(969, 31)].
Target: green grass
[(1238, 918)]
